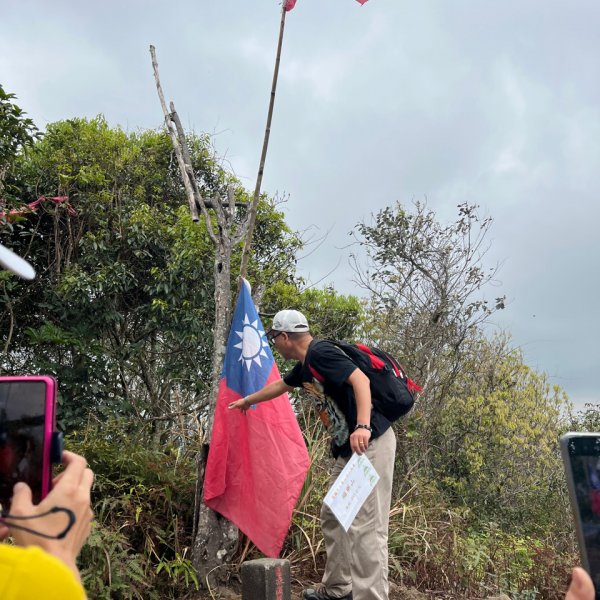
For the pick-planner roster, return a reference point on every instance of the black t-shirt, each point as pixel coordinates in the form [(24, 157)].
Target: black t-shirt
[(323, 375)]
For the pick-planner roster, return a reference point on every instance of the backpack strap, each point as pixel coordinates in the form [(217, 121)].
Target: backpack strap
[(337, 345), (314, 372), (376, 362), (370, 358)]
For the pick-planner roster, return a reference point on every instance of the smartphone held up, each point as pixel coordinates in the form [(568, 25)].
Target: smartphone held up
[(29, 444), (581, 458)]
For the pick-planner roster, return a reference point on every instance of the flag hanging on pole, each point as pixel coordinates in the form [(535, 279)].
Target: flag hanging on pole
[(257, 461), (289, 4)]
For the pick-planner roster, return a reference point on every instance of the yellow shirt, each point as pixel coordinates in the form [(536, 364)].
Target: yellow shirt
[(31, 573)]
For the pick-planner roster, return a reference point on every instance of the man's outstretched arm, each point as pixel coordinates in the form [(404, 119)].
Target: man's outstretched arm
[(270, 391)]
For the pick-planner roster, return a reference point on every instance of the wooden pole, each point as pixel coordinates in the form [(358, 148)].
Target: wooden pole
[(263, 156)]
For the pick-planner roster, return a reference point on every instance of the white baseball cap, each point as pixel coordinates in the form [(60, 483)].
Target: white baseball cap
[(290, 321), (14, 263)]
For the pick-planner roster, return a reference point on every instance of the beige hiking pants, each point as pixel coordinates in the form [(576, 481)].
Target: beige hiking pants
[(357, 561)]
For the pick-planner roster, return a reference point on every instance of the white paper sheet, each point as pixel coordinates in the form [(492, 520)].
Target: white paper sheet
[(351, 489)]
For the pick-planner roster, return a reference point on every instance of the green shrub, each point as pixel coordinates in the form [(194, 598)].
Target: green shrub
[(143, 500), (433, 547)]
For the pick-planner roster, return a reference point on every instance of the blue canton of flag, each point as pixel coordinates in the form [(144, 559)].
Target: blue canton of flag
[(248, 358)]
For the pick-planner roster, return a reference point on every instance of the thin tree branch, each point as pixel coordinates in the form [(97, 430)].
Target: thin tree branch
[(189, 171), (261, 168), (173, 135)]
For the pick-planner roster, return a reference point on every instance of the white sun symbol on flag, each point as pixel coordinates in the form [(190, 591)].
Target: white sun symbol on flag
[(252, 343)]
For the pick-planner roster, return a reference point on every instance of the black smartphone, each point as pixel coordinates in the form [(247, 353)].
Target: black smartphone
[(28, 444), (581, 458)]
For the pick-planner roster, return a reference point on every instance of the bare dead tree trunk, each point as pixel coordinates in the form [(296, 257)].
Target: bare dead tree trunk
[(215, 538)]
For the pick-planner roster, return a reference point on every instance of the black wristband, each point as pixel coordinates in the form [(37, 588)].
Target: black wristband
[(361, 426)]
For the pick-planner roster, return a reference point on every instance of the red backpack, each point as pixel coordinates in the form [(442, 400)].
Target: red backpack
[(392, 391)]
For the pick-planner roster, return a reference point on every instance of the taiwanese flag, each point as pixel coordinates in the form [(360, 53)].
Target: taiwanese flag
[(257, 461)]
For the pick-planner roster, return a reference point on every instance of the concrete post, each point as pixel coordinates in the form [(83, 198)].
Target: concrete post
[(266, 579)]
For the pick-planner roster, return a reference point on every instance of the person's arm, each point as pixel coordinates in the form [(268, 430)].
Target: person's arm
[(270, 391), (359, 438)]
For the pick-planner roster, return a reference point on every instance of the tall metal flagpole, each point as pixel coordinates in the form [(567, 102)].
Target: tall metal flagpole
[(263, 156)]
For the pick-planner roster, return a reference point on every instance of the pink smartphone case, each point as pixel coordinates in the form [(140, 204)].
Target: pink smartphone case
[(49, 422)]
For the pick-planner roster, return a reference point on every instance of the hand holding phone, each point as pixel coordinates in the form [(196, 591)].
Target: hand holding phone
[(581, 458), (71, 490), (71, 493)]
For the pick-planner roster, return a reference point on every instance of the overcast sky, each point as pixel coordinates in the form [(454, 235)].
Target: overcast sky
[(493, 103)]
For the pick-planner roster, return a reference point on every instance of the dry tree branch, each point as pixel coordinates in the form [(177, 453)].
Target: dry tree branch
[(174, 139)]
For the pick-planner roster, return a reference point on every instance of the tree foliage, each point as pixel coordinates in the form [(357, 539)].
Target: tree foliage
[(424, 280), (143, 497), (17, 132), (494, 447), (329, 313), (122, 308)]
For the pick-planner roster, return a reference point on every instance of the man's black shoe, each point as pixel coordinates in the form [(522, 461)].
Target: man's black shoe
[(321, 594)]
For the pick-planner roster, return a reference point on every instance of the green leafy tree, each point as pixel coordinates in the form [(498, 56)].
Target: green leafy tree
[(425, 282), (17, 132), (329, 313), (122, 309), (494, 449)]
